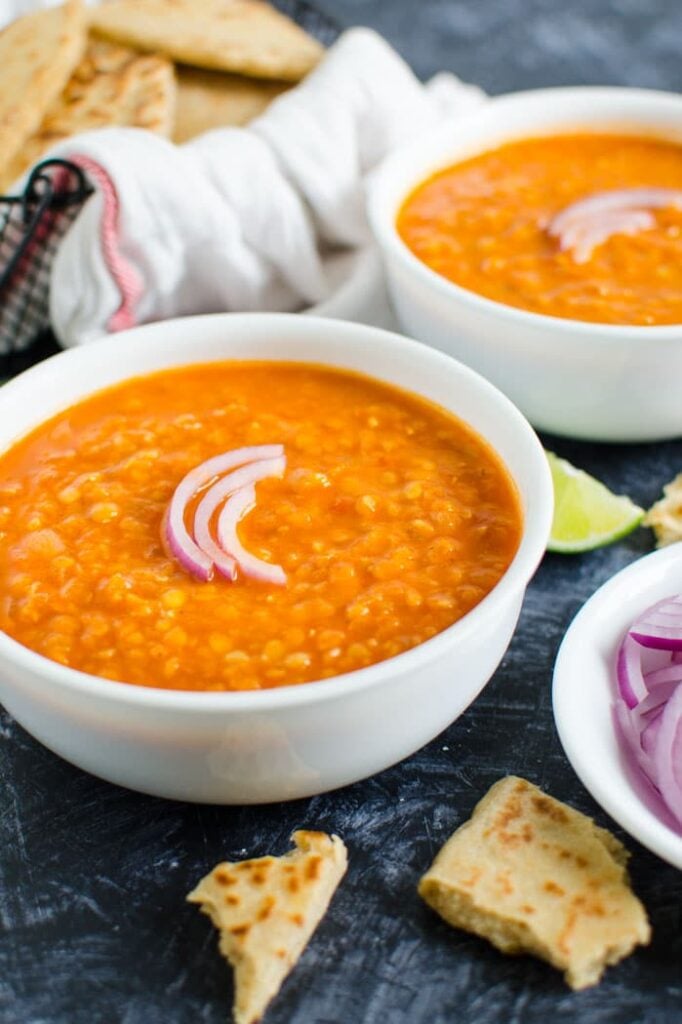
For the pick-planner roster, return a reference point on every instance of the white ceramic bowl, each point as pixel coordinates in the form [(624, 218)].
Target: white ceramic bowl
[(584, 686), (591, 381), (299, 740)]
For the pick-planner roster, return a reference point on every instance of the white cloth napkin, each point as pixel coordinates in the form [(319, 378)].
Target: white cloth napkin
[(267, 217)]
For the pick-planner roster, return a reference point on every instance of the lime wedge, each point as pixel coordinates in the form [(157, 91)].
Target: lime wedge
[(587, 514)]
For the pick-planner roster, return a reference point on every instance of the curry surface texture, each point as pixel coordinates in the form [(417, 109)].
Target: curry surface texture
[(393, 519), (482, 224)]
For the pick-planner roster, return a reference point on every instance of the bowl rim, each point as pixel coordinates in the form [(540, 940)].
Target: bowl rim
[(385, 231), (640, 583), (514, 581)]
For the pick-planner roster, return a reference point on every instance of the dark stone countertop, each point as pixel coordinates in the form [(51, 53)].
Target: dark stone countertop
[(95, 929)]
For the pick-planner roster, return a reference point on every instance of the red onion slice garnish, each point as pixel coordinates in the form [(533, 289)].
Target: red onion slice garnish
[(583, 238), (616, 199), (175, 534), (180, 545), (232, 512), (214, 497), (589, 222)]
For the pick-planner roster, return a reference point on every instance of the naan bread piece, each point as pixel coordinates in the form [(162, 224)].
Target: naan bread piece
[(532, 875), (37, 55), (665, 517), (247, 36), (266, 911), (215, 99), (112, 85)]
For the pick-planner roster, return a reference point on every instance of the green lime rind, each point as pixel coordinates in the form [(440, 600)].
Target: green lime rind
[(587, 515)]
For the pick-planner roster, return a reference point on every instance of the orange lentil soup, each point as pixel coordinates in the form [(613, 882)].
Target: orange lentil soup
[(392, 520), (483, 224)]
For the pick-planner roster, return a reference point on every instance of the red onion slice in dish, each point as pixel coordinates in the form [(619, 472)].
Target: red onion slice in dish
[(590, 222), (660, 626), (649, 738), (648, 706), (232, 512), (214, 498), (631, 683), (174, 531), (667, 754)]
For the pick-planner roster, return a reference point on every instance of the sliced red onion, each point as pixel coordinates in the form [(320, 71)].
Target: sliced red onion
[(180, 546), (629, 670), (660, 626), (232, 512), (667, 754), (616, 199), (660, 678), (584, 238), (588, 223), (174, 531), (222, 556), (649, 737), (649, 705)]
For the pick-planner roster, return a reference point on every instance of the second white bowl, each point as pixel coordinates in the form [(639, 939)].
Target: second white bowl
[(592, 381)]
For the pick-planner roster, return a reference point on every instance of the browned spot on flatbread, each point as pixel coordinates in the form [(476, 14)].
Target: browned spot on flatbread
[(223, 877), (231, 900), (550, 809), (312, 869), (245, 865), (296, 919), (266, 909), (240, 931), (554, 889), (504, 882), (469, 881), (293, 885)]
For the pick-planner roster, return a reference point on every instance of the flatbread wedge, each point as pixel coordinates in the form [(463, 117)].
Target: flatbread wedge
[(216, 99), (665, 516), (532, 875), (266, 910), (112, 85), (247, 36), (37, 55)]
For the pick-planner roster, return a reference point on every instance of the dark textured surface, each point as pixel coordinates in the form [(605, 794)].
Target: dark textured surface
[(92, 878)]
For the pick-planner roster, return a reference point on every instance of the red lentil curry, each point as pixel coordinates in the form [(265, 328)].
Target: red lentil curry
[(483, 224), (392, 520)]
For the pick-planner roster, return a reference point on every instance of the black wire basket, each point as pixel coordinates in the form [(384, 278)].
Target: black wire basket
[(33, 224), (31, 227)]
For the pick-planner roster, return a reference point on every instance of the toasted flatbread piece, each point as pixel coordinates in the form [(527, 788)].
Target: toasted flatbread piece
[(37, 55), (215, 99), (532, 875), (247, 36), (112, 85), (665, 517), (266, 911)]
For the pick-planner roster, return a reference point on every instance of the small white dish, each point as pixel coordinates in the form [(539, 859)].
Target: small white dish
[(599, 382), (583, 694)]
